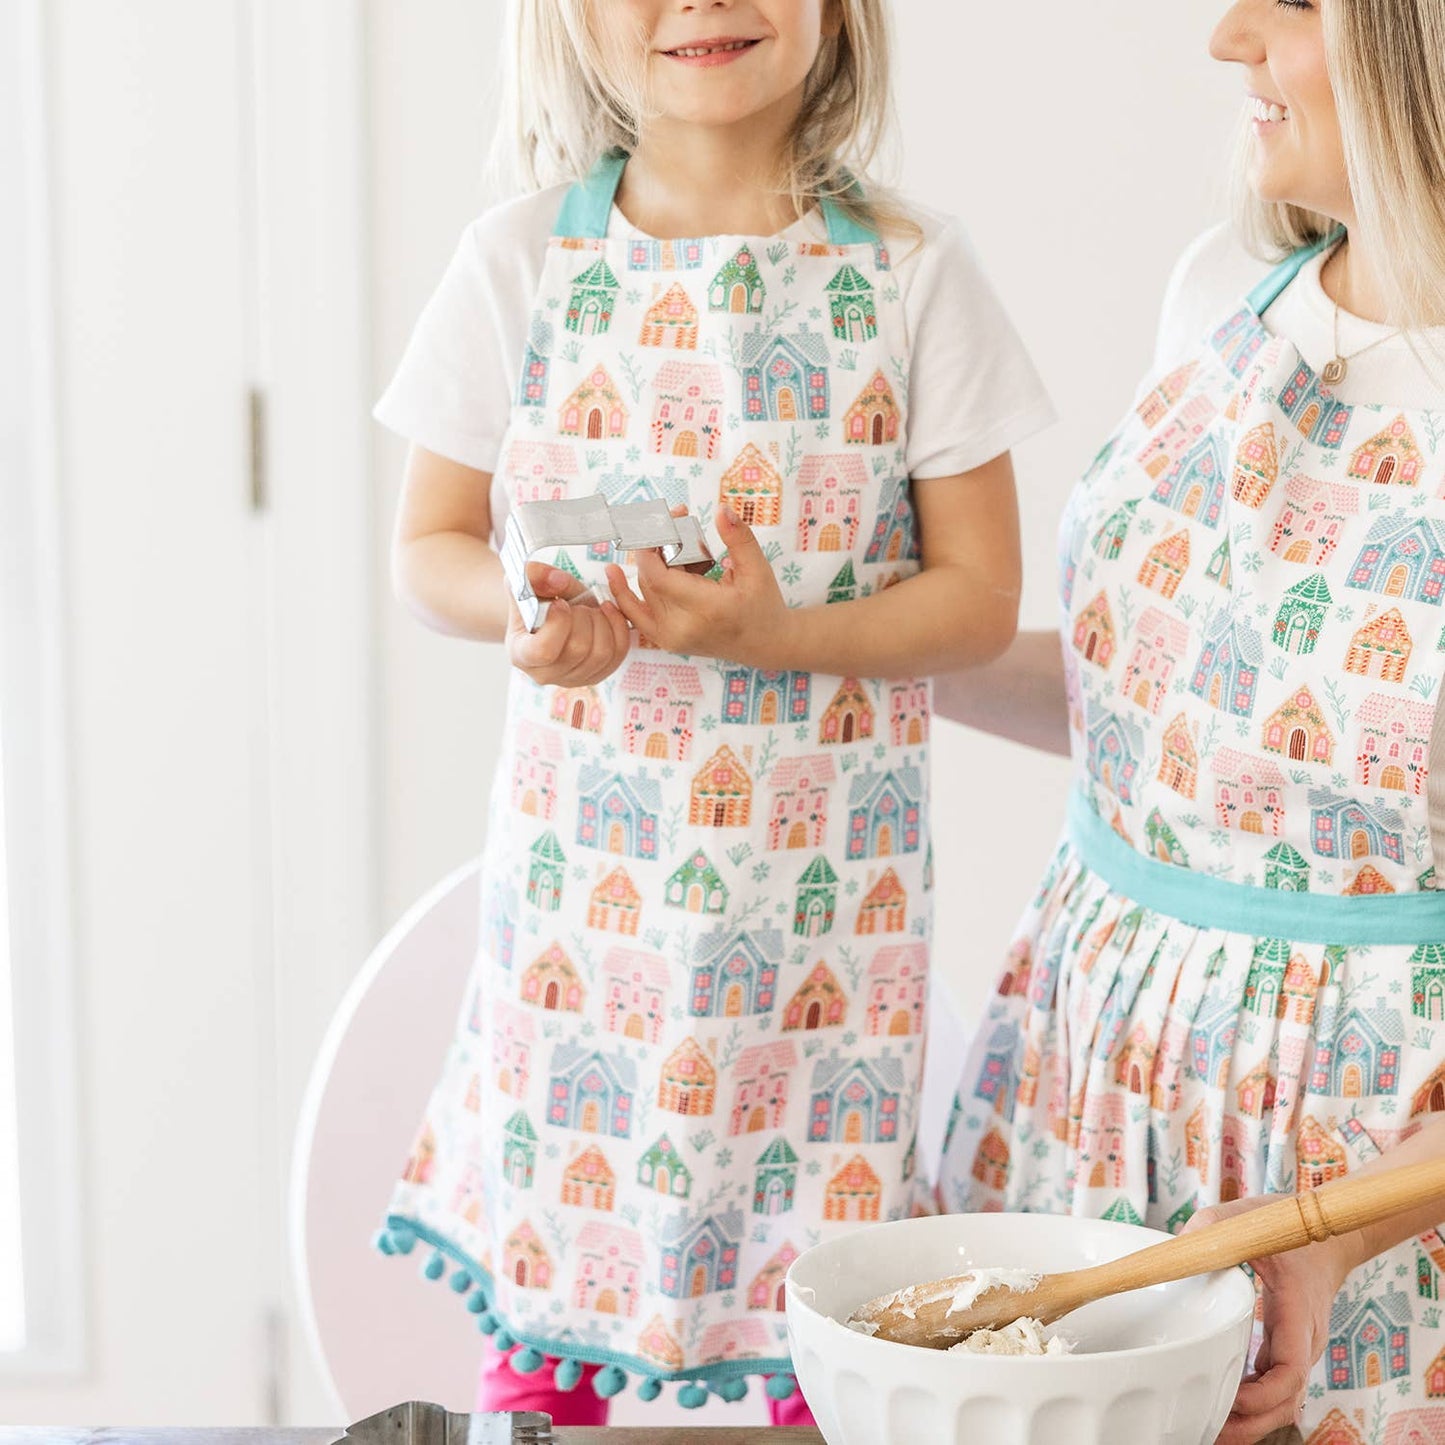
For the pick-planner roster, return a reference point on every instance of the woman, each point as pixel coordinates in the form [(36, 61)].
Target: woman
[(1231, 983)]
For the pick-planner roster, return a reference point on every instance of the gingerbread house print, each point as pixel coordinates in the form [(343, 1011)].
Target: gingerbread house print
[(1393, 752), (659, 702), (843, 587), (1212, 1039), (1014, 981), (1391, 458), (785, 378), (553, 983), (745, 1339), (776, 1175), (1158, 403), (1114, 746), (1427, 1275), (541, 471), (851, 306), (421, 1163), (1337, 1429), (1381, 648), (697, 886), (1265, 978), (634, 994), (1361, 1057), (768, 1291), (830, 490), (662, 1169), (849, 716), (1195, 486), (1427, 982), (1232, 1166), (525, 1259), (819, 1003), (1179, 765), (579, 708), (1317, 416), (1198, 1149), (893, 530), (760, 1087), (689, 1080), (722, 793), (885, 906), (798, 810), (1166, 563), (1301, 615), (615, 905), (687, 402), (671, 320), (588, 1181), (512, 1039), (1166, 1091), (609, 1270), (1346, 828), (1163, 842), (645, 253), (1367, 883), (854, 1193), (1311, 519), (873, 418), (1403, 556), (594, 294), (1297, 730), (1429, 1098), (1230, 659), (659, 1344), (701, 1258), (753, 487), (1369, 1340), (1171, 446), (1134, 1063), (1109, 540), (1219, 569), (908, 713), (534, 770), (618, 814), (753, 696), (1301, 988), (1248, 793), (519, 1151), (738, 286), (897, 989), (1094, 632), (536, 364), (885, 812), (855, 1101), (1237, 341), (990, 1163), (595, 410), (1286, 870), (1255, 1094), (1161, 642), (817, 899), (546, 873), (736, 973), (1101, 1140), (591, 1091)]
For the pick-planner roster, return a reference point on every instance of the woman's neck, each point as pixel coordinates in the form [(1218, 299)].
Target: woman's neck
[(698, 180), (1352, 280)]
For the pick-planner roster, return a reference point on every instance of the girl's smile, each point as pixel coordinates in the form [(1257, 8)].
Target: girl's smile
[(707, 53)]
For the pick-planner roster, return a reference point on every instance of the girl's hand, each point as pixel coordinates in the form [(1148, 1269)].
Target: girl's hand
[(738, 617), (580, 642), (1299, 1290)]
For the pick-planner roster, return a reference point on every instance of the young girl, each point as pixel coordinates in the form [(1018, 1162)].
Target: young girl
[(1232, 981), (692, 1043)]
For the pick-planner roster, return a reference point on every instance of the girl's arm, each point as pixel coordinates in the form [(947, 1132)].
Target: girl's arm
[(960, 610), (1020, 696)]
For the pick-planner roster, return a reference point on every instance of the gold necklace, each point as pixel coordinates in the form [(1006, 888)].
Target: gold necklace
[(1337, 369)]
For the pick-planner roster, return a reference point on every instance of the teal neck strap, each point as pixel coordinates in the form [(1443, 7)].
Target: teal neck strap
[(1270, 289), (587, 207)]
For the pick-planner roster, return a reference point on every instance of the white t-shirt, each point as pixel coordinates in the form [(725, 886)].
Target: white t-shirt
[(1213, 276), (973, 391)]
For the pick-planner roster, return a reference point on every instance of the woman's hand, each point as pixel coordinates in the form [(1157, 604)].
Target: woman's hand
[(580, 642), (1299, 1291), (738, 617)]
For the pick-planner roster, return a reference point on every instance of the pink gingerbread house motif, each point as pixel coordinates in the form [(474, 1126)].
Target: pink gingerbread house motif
[(768, 1290), (1311, 519), (760, 1090), (512, 1039), (908, 713), (1233, 1139), (659, 705), (577, 707), (798, 813), (552, 982), (1297, 730), (1254, 1094), (848, 718), (1158, 403), (744, 1339), (1094, 633), (1197, 1151), (1101, 1140), (1161, 643), (1167, 448), (595, 410), (534, 771), (830, 491), (470, 1197), (897, 988), (609, 1270), (634, 993), (1248, 793), (1166, 1092), (1134, 1066), (1394, 743), (541, 471), (526, 1262), (687, 409)]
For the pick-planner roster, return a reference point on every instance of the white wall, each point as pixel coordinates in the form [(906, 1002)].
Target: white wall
[(1082, 144)]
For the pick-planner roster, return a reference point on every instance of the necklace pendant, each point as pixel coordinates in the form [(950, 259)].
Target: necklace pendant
[(1334, 372)]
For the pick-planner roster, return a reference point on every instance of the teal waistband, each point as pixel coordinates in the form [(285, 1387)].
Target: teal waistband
[(1206, 902)]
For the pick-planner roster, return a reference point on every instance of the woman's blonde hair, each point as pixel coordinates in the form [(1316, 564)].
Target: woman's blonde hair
[(570, 96), (1387, 67)]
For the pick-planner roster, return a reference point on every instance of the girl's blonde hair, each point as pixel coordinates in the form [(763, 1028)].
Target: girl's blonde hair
[(570, 95), (1387, 66)]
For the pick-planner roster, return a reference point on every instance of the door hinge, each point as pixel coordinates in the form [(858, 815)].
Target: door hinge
[(256, 432)]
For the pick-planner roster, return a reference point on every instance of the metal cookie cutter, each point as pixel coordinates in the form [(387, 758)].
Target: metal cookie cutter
[(586, 521), (419, 1423)]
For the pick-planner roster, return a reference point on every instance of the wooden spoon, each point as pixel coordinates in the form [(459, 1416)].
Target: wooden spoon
[(924, 1315)]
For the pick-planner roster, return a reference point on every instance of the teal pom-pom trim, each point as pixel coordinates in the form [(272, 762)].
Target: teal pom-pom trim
[(461, 1281), (568, 1374), (477, 1302), (610, 1381), (781, 1387), (527, 1361), (692, 1397), (404, 1240), (733, 1390), (383, 1242), (503, 1341), (435, 1267), (489, 1324), (649, 1389)]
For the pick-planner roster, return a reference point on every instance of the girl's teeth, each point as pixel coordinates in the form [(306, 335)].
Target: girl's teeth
[(693, 50)]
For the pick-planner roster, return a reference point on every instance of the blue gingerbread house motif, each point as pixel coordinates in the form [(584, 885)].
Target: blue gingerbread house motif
[(785, 378), (591, 1091), (1115, 745), (644, 253), (1238, 340), (894, 531), (701, 1257), (1359, 1057), (1369, 1340), (753, 696), (499, 923), (1317, 416), (1212, 1040), (736, 973), (998, 1062), (885, 813), (855, 1101), (1346, 828), (617, 813), (1403, 556), (1195, 486), (1227, 672), (536, 364)]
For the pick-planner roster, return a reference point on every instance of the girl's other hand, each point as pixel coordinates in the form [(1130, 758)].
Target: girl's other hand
[(581, 641)]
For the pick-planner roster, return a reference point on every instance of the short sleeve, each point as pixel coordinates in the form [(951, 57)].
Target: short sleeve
[(973, 390)]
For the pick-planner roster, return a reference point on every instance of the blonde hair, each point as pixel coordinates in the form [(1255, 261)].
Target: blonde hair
[(570, 96), (1387, 66)]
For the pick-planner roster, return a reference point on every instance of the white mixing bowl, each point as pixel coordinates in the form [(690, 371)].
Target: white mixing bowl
[(1155, 1367)]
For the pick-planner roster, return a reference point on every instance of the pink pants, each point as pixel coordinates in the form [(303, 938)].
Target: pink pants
[(501, 1388)]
